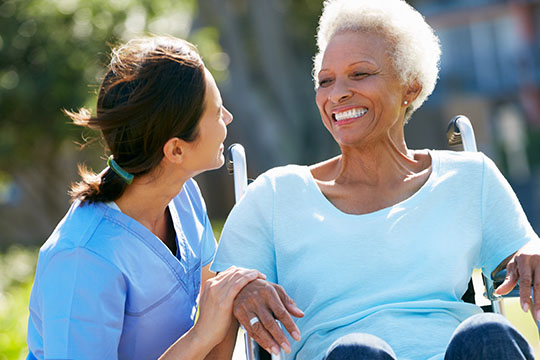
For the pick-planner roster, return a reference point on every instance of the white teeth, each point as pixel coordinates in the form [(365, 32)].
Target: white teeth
[(350, 114)]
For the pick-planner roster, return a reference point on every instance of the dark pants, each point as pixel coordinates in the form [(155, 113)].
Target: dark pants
[(482, 336)]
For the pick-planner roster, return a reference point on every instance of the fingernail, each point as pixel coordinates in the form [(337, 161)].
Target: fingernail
[(296, 335), (525, 307), (286, 347), (275, 350)]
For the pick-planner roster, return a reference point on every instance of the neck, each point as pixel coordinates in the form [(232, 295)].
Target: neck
[(384, 162), (147, 198)]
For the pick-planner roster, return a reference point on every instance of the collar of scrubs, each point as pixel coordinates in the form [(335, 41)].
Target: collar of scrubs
[(179, 264)]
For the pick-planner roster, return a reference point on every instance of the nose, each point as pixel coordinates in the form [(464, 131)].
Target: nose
[(339, 92), (227, 116)]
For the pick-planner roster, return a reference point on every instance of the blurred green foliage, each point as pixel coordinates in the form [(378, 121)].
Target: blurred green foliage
[(17, 267), (52, 56)]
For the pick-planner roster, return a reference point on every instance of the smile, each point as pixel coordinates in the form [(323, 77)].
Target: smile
[(350, 114)]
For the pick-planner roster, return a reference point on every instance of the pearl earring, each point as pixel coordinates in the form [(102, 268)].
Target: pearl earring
[(405, 102)]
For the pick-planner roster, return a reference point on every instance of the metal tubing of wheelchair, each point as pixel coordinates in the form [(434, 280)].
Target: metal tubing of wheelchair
[(238, 158), (467, 133), (237, 165), (250, 351), (498, 307)]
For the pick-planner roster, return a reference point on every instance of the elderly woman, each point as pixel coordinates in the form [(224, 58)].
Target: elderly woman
[(377, 244)]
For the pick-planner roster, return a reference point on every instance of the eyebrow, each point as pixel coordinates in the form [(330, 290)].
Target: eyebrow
[(351, 65)]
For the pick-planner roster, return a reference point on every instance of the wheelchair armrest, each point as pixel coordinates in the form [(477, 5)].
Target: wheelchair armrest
[(498, 279)]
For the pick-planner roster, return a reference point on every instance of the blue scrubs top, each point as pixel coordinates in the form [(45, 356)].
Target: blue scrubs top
[(108, 288)]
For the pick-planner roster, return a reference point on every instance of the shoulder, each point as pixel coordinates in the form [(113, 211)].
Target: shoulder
[(459, 160), (77, 232), (282, 181), (458, 157), (283, 174), (76, 228)]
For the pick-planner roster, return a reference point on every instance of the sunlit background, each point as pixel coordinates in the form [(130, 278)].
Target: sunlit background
[(52, 56)]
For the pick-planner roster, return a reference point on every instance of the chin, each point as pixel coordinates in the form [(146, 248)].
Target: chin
[(220, 161)]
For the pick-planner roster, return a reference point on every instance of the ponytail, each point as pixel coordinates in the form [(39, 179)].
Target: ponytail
[(106, 186), (153, 91)]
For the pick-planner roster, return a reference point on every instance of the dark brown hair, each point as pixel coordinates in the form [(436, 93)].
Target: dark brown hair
[(153, 91)]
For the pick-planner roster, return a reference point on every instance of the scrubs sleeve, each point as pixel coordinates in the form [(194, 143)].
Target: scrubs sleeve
[(247, 237), (505, 228), (208, 246), (82, 306), (207, 239)]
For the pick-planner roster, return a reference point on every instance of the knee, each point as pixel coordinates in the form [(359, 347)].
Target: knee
[(360, 346), (487, 336), (489, 327)]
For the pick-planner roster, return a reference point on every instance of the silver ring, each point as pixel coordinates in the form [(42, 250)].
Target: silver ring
[(253, 321)]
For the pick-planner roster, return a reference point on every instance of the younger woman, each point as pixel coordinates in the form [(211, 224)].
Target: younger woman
[(120, 276)]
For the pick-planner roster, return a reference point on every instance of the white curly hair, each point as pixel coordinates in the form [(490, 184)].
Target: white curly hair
[(415, 50)]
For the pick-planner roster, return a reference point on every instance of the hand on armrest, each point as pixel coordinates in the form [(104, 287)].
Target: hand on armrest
[(267, 302), (524, 266)]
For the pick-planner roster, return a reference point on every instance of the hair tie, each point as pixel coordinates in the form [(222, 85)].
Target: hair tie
[(127, 177)]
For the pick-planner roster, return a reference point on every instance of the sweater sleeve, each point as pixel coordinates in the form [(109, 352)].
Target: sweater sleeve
[(247, 237), (505, 228), (80, 305)]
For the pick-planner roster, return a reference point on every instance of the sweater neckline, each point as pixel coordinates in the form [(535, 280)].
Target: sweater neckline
[(417, 196)]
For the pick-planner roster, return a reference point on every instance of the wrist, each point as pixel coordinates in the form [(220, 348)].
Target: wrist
[(195, 344), (202, 337)]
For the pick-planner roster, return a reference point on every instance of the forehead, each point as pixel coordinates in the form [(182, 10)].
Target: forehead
[(212, 91), (349, 47)]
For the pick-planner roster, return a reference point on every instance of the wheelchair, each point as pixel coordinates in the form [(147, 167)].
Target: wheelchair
[(459, 133)]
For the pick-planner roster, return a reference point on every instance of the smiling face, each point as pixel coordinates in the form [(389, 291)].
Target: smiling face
[(360, 98), (206, 152)]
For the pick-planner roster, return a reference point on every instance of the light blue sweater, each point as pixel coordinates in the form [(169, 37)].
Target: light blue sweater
[(398, 273)]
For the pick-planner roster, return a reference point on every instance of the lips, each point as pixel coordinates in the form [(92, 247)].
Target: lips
[(350, 113)]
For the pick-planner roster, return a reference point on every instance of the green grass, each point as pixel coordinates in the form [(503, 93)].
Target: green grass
[(17, 267)]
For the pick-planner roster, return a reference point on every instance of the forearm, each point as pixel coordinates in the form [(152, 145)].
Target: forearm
[(191, 346), (224, 350)]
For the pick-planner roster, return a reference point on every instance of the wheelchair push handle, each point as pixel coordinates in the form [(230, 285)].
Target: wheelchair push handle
[(237, 166), (460, 132)]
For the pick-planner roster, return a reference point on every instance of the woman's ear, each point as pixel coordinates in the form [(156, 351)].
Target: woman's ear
[(412, 91), (174, 150)]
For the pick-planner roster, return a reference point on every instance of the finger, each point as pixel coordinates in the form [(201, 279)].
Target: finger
[(234, 272), (510, 280), (284, 316), (235, 282), (525, 282), (238, 281), (226, 273), (272, 326), (289, 303), (536, 295), (257, 331)]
